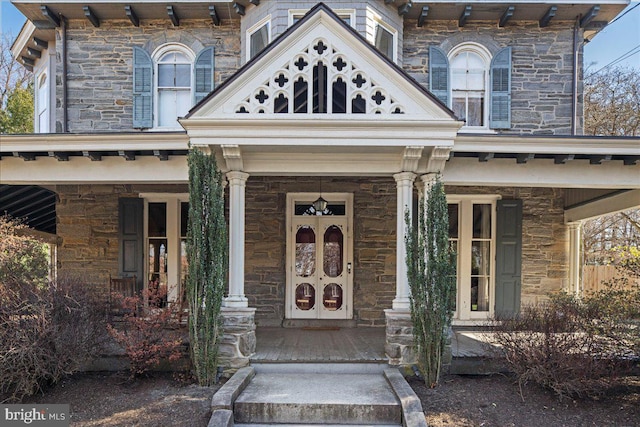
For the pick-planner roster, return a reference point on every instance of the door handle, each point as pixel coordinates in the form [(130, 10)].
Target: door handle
[(349, 267)]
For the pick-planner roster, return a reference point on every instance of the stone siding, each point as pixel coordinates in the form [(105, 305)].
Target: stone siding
[(545, 238), (374, 244), (87, 225), (542, 67), (100, 65)]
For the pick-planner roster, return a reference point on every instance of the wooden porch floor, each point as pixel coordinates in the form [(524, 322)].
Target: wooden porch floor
[(275, 344)]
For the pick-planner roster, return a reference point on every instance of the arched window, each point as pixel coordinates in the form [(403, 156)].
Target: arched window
[(43, 104), (173, 84), (475, 85), (469, 65), (168, 83)]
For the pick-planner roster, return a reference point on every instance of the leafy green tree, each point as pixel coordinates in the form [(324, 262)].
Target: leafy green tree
[(207, 256), (16, 93), (17, 116), (431, 271)]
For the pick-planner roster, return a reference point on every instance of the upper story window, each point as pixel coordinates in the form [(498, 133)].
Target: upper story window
[(174, 87), (469, 74), (385, 41), (476, 86), (259, 37), (347, 15), (168, 83)]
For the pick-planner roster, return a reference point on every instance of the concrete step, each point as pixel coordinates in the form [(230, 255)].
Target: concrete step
[(316, 425), (318, 398)]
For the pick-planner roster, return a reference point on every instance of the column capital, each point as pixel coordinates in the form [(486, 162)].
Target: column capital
[(575, 225), (429, 178), (404, 176), (237, 177)]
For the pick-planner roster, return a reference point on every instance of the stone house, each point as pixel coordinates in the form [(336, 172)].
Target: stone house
[(329, 120)]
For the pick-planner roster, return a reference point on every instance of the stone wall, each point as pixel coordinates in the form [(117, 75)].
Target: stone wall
[(100, 62), (374, 243), (545, 238), (87, 224), (542, 66)]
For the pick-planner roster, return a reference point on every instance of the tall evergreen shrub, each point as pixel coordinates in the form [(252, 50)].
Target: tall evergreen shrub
[(431, 271), (207, 256)]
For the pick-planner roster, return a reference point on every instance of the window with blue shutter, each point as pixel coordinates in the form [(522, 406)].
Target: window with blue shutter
[(142, 89), (439, 74), (500, 101), (203, 74), (130, 238)]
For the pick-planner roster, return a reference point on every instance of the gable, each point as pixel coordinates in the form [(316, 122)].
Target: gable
[(320, 65)]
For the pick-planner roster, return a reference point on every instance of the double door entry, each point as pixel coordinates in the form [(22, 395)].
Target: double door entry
[(319, 264)]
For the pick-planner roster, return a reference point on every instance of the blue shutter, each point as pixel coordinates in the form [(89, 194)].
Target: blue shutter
[(142, 89), (508, 257), (131, 238), (204, 73), (439, 74), (500, 115)]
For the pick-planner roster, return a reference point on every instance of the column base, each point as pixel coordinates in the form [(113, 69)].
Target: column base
[(235, 302), (401, 304), (399, 346), (238, 341)]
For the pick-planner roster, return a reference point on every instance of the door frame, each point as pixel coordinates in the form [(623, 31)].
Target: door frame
[(292, 198)]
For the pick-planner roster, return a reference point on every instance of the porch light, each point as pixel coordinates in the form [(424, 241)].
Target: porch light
[(320, 204)]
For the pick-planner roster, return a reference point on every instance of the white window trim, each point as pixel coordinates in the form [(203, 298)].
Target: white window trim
[(465, 203), (158, 53), (255, 27), (172, 201), (351, 13), (45, 65), (377, 20), (486, 56)]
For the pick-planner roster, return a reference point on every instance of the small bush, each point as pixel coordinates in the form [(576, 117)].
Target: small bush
[(146, 333), (575, 347)]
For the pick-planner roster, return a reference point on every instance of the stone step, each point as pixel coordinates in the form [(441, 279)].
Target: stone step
[(319, 324), (315, 425), (317, 398)]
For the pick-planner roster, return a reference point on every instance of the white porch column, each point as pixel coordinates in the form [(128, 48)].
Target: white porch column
[(237, 183), (575, 238), (404, 181)]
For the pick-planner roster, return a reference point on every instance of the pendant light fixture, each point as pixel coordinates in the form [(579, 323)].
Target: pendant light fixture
[(320, 204)]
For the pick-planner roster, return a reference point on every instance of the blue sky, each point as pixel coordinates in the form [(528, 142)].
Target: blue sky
[(619, 38)]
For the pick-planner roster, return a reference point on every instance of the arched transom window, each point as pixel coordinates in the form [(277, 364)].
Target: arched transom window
[(469, 81), (174, 71)]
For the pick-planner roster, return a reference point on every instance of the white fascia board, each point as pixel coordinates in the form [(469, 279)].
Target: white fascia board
[(604, 206), (510, 2), (95, 142), (315, 129), (547, 145), (81, 170), (541, 173), (24, 37)]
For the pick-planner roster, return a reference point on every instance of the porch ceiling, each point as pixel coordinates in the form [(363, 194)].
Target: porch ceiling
[(36, 206)]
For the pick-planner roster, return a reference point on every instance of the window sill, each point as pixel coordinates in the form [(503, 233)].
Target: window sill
[(478, 130)]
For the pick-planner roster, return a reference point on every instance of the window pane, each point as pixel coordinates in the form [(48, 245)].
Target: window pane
[(459, 107), (305, 296), (384, 41), (166, 75), (481, 221), (453, 220), (259, 40), (157, 220), (172, 104), (332, 297), (332, 251), (184, 218), (476, 111), (480, 257), (183, 75), (479, 294), (158, 260), (305, 251)]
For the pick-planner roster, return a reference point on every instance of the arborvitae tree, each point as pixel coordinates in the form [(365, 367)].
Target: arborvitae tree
[(431, 270), (207, 256)]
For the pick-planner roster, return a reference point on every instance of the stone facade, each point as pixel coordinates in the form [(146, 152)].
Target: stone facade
[(545, 237), (374, 243), (100, 66), (238, 341), (88, 229), (542, 67)]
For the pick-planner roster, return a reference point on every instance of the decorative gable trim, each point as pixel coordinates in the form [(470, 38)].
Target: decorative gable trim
[(320, 50)]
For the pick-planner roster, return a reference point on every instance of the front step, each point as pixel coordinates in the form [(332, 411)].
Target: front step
[(318, 398)]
